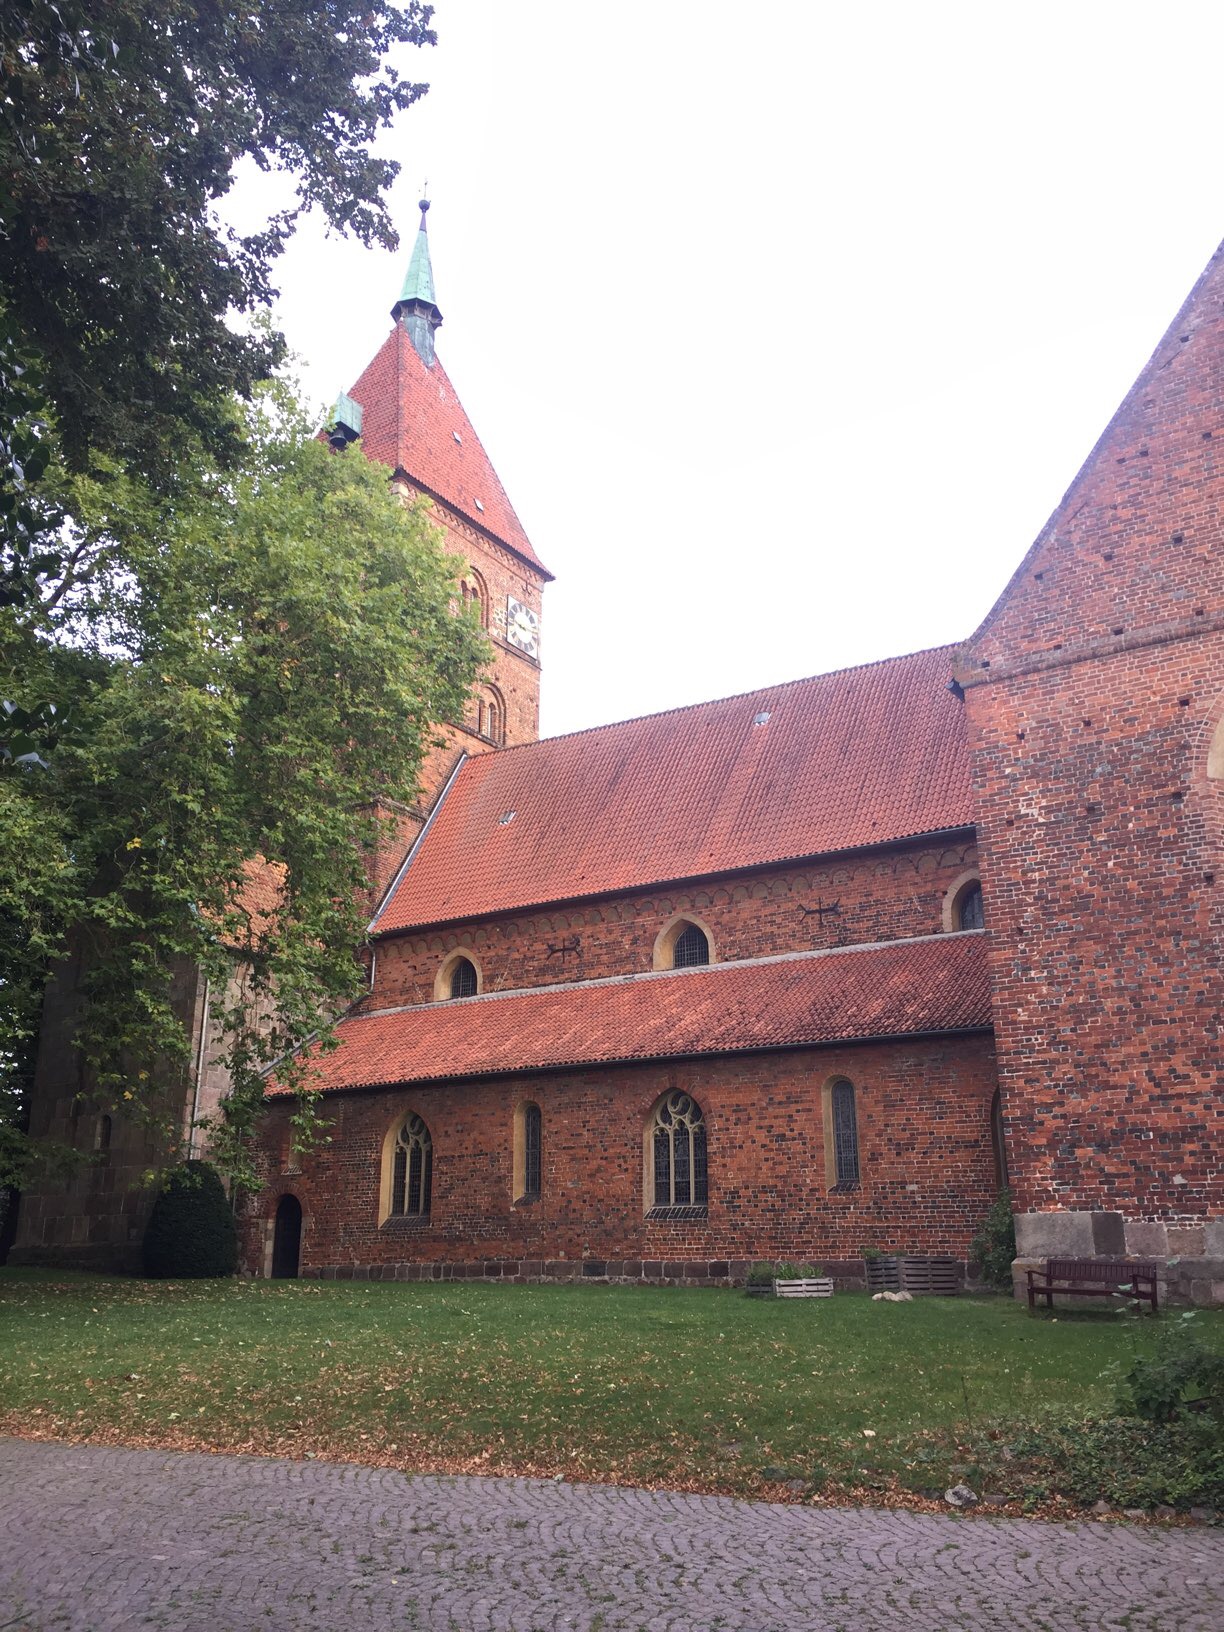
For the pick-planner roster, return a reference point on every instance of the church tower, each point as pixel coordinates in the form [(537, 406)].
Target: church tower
[(404, 411)]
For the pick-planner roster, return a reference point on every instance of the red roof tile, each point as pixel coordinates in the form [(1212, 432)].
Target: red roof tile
[(410, 420), (860, 757), (936, 984)]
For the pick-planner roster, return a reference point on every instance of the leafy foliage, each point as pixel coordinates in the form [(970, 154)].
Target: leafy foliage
[(1182, 1376), (1121, 1461), (247, 665), (191, 1231), (120, 128), (994, 1246)]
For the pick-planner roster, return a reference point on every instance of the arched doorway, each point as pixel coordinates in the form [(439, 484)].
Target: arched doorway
[(287, 1239)]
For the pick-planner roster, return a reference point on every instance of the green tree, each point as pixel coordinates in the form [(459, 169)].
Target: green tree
[(247, 665), (121, 126)]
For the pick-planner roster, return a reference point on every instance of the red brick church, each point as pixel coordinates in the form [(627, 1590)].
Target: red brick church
[(814, 969)]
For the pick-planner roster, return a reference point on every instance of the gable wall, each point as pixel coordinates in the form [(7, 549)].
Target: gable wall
[(1092, 692)]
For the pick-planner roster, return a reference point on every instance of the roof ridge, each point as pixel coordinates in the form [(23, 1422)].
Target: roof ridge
[(710, 702), (810, 955)]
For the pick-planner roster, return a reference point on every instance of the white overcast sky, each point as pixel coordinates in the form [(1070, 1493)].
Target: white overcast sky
[(785, 325)]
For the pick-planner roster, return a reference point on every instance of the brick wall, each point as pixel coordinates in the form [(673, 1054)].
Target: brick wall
[(1093, 692), (924, 1136), (885, 895), (515, 676)]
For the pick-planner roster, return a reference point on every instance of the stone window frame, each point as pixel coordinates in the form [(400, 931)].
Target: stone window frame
[(679, 1102), (446, 974), (522, 1190), (835, 1184), (955, 894), (387, 1182), (664, 953)]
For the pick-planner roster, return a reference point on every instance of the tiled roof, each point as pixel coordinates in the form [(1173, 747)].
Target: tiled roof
[(895, 989), (860, 757), (413, 421)]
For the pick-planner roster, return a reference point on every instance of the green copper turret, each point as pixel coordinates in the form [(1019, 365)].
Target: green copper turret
[(416, 308)]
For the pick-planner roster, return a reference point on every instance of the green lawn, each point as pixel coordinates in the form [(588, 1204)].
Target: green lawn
[(702, 1390)]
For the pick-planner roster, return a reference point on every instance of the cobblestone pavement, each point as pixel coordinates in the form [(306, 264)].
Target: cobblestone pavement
[(97, 1538)]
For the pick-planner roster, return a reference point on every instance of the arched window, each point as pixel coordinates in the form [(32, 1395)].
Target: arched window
[(844, 1128), (528, 1152), (998, 1138), (691, 947), (412, 1170), (969, 908), (475, 602), (676, 1154), (463, 982), (102, 1134), (491, 715)]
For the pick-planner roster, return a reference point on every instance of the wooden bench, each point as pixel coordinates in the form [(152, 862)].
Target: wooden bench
[(1093, 1278)]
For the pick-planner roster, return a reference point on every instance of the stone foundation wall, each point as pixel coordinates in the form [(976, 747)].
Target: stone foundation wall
[(1189, 1256)]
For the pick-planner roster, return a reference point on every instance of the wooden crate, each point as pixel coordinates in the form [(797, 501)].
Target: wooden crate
[(883, 1274), (822, 1287), (939, 1276)]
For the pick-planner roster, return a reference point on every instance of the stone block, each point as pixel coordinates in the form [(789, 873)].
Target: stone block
[(1213, 1238), (1054, 1235), (1187, 1241), (1199, 1281), (1108, 1235), (1146, 1239)]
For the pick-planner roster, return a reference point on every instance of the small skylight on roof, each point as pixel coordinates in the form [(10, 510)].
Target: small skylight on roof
[(506, 817), (480, 506), (457, 438), (762, 718)]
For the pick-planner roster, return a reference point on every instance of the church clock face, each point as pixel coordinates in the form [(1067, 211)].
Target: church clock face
[(522, 627)]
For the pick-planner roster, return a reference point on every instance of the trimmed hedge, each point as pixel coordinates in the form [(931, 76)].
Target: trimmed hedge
[(191, 1231)]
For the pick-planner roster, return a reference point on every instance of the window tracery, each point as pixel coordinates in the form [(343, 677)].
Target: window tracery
[(412, 1170), (678, 1170)]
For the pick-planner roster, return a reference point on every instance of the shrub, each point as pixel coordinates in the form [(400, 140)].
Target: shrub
[(798, 1272), (760, 1275), (994, 1246), (191, 1231), (1122, 1461), (1182, 1376)]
